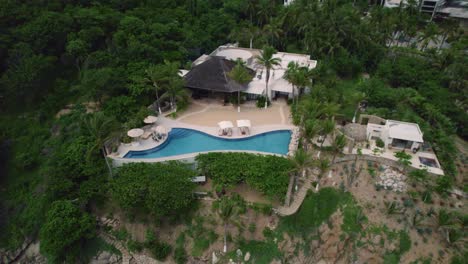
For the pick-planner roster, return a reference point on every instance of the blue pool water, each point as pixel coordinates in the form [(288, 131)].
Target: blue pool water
[(183, 141)]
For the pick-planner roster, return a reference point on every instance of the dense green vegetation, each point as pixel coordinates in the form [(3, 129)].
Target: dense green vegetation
[(159, 189), (64, 230), (122, 55), (268, 174)]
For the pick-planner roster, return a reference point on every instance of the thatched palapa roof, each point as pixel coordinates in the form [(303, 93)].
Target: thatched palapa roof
[(212, 75)]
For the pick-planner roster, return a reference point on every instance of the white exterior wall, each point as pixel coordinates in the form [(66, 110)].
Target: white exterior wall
[(382, 132)]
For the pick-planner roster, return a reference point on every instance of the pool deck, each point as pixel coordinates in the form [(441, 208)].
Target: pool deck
[(145, 144)]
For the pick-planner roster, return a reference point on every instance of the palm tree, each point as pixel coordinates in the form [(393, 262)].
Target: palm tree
[(226, 210), (252, 9), (301, 161), (268, 62), (100, 128), (274, 30), (153, 76), (304, 79), (291, 75), (265, 11), (392, 208), (328, 126), (175, 91), (244, 32), (323, 165), (310, 129), (430, 34), (448, 28), (338, 144), (240, 75), (446, 223)]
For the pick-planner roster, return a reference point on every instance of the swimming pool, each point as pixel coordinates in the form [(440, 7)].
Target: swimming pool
[(183, 141)]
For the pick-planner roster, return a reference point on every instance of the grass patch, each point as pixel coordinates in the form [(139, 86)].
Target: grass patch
[(202, 238), (261, 252), (316, 208), (199, 246), (404, 242), (353, 218), (180, 255)]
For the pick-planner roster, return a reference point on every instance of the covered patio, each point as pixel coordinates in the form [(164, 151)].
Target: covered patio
[(211, 79)]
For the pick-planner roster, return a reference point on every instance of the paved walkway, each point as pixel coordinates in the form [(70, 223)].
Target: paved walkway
[(298, 196)]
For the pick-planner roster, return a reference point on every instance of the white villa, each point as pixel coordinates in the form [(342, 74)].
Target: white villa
[(209, 72), (397, 134)]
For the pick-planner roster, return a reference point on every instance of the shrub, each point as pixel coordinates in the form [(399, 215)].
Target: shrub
[(379, 143), (418, 175), (426, 196), (405, 242), (180, 256), (134, 246), (408, 203), (268, 174), (443, 184), (261, 101), (160, 250), (403, 157), (64, 230), (144, 187)]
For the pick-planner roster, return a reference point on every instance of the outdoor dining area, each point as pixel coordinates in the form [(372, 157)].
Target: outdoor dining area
[(226, 127), (156, 132)]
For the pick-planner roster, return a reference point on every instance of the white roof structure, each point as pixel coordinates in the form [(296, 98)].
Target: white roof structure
[(243, 123), (199, 179), (257, 85), (201, 59), (225, 124), (404, 130), (394, 3), (182, 72)]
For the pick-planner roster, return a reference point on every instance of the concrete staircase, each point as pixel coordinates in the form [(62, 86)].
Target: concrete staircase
[(298, 197), (126, 256)]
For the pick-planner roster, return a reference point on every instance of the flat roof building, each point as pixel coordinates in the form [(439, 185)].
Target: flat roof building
[(231, 52)]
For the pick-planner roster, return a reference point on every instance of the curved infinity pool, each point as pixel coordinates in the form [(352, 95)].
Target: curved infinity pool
[(183, 141)]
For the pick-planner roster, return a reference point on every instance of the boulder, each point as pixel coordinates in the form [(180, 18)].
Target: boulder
[(247, 256), (376, 239)]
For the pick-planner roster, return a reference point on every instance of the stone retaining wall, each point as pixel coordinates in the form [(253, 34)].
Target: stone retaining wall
[(372, 119), (382, 160)]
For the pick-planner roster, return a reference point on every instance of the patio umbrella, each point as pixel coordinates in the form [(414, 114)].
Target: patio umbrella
[(150, 119), (136, 132)]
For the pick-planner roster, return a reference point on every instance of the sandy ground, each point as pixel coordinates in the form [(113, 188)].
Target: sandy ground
[(208, 112), (372, 202)]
